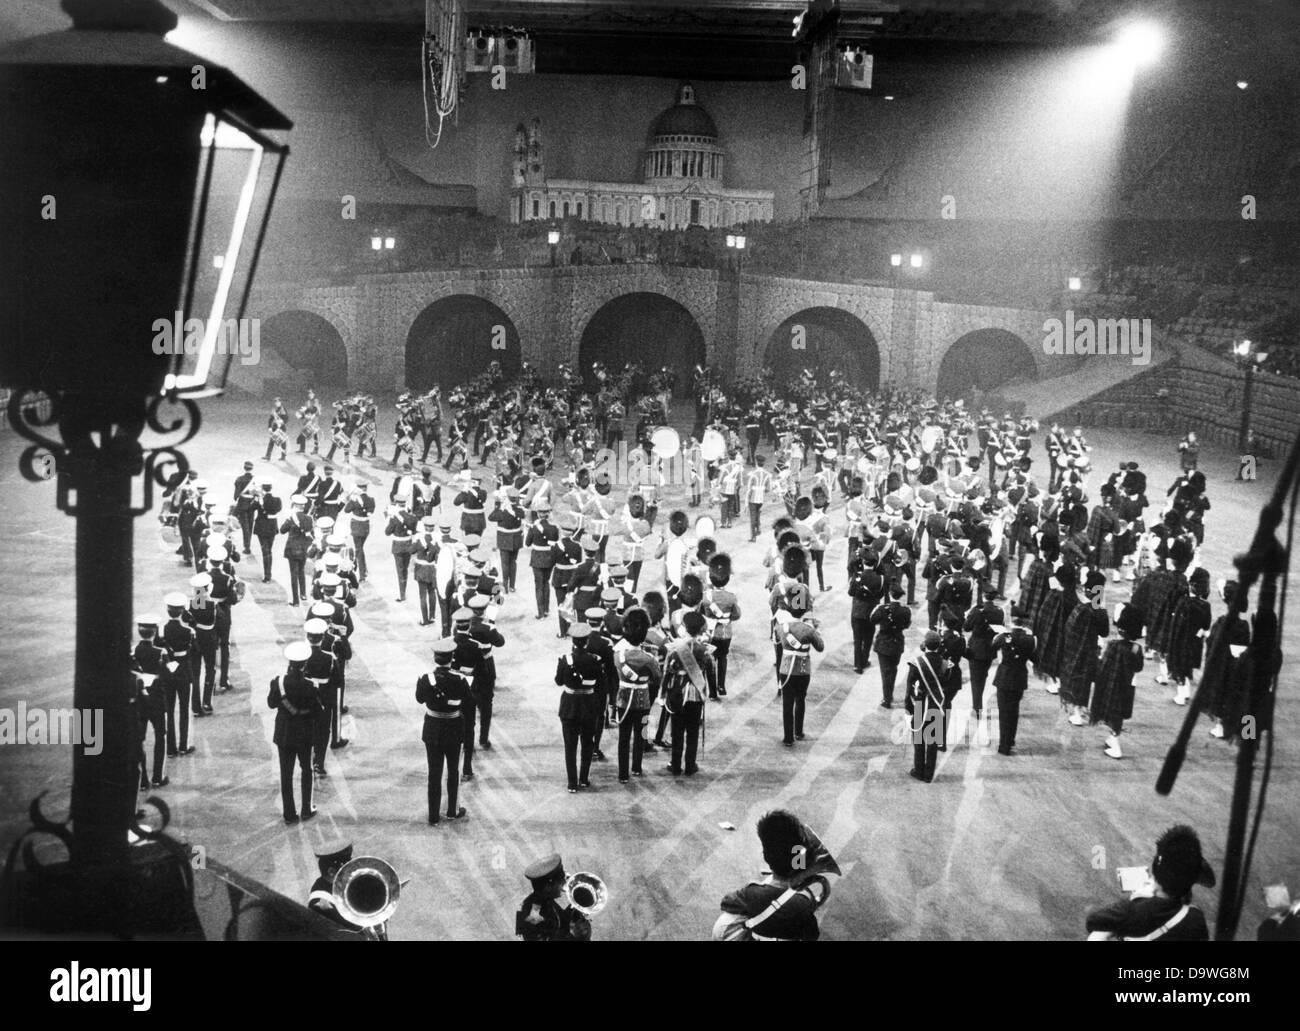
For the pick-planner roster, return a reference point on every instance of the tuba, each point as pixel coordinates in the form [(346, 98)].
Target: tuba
[(586, 893), (365, 893)]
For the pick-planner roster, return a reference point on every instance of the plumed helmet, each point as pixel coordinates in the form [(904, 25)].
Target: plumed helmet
[(720, 569), (794, 561), (803, 507), (636, 624), (692, 592), (678, 523)]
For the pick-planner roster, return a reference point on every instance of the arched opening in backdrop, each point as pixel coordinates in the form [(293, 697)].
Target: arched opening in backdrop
[(308, 347), (456, 338), (647, 328), (984, 359), (824, 340)]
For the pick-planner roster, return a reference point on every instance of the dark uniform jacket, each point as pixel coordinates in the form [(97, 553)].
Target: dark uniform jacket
[(297, 530), (982, 624), (542, 538), (892, 618), (579, 672), (443, 692), (265, 509), (297, 705)]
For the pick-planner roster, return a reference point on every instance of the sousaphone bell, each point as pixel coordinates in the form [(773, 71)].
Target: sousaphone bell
[(366, 891), (586, 893)]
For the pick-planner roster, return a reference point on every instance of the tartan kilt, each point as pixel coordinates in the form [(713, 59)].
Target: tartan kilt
[(1164, 598), (1034, 587), (1108, 555), (1186, 647), (1229, 699), (1112, 698), (1081, 657), (1049, 628)]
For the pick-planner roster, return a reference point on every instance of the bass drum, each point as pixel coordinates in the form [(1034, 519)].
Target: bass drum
[(665, 442), (714, 446)]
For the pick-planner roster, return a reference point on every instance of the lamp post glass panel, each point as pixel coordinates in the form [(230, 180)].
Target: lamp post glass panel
[(155, 176)]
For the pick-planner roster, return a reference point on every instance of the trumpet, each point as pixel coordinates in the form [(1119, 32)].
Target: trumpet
[(366, 891), (586, 893)]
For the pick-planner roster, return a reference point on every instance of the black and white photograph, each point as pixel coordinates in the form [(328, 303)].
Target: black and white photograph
[(651, 470)]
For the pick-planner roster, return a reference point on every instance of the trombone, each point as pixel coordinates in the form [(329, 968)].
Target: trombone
[(366, 891)]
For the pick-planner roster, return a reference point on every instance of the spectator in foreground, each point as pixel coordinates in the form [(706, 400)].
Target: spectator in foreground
[(1162, 908)]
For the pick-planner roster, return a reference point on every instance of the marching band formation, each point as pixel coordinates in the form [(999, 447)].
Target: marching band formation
[(1072, 573)]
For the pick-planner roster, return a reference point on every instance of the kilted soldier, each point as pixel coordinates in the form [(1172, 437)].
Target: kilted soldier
[(1190, 627), (297, 710), (425, 560), (927, 701), (1085, 628), (266, 507), (402, 528), (688, 672), (798, 637), (1112, 699), (638, 684), (443, 693), (179, 683), (359, 509), (580, 712), (983, 623), (1036, 583), (542, 539), (1158, 594), (1049, 624), (508, 515), (1226, 705), (147, 660), (721, 609), (1016, 650), (891, 618), (297, 531)]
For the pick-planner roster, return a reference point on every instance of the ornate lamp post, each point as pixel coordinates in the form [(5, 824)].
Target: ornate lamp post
[(129, 166)]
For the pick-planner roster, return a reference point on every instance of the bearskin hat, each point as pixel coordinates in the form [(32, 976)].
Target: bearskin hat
[(1173, 519), (893, 482), (636, 506), (1130, 622), (1197, 481), (788, 539), (928, 475), (584, 477), (604, 483), (857, 486), (678, 523), (1181, 552), (636, 624), (692, 591), (1199, 581), (720, 569), (803, 507), (794, 562), (1066, 576), (705, 549), (652, 602), (781, 524), (692, 622)]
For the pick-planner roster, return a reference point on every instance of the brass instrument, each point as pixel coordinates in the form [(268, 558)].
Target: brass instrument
[(366, 891), (586, 893)]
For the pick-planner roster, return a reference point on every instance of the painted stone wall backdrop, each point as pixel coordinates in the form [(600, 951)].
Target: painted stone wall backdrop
[(737, 315)]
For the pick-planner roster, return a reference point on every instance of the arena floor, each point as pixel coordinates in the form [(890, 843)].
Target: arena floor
[(995, 848)]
